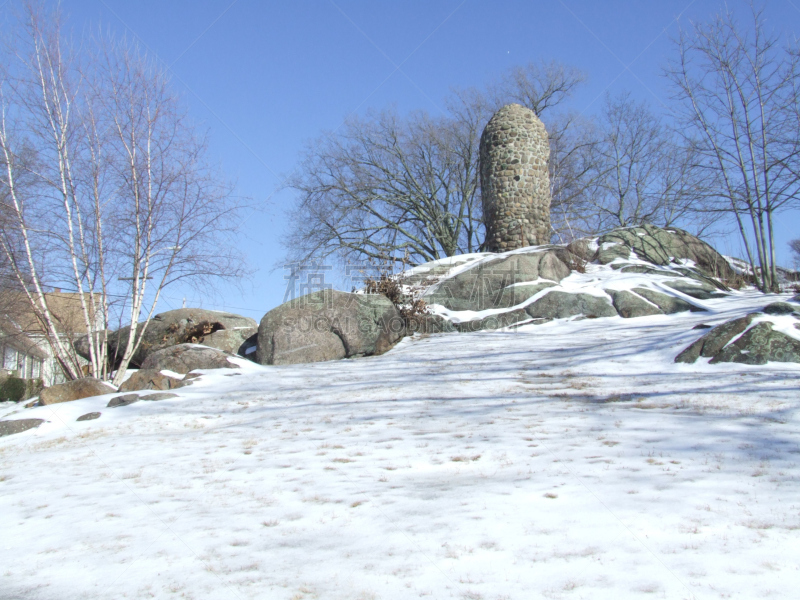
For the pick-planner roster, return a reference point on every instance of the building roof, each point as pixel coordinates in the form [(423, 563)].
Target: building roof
[(64, 306)]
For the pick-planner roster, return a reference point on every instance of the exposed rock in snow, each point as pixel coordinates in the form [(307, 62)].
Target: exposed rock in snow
[(628, 272), (701, 290), (668, 304), (428, 323), (755, 339), (215, 329), (612, 251), (781, 308), (74, 390), (490, 283), (18, 426), (665, 246), (629, 305), (498, 321), (561, 305), (328, 325), (188, 357), (151, 379), (124, 400), (89, 416)]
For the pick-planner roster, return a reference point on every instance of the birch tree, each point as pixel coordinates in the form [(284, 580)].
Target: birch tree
[(105, 187)]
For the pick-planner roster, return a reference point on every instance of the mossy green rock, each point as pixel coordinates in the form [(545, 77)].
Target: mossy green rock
[(561, 305), (696, 289), (667, 304), (659, 246), (644, 269), (490, 284), (782, 308), (759, 345), (756, 345), (16, 389), (715, 340), (518, 294), (630, 305), (610, 252)]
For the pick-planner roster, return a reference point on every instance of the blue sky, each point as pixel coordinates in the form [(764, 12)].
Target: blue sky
[(265, 77)]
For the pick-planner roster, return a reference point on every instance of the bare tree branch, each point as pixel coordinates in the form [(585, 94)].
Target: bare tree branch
[(105, 188), (393, 189), (739, 105)]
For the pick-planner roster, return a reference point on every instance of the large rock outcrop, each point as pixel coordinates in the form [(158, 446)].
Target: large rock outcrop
[(502, 282), (630, 272), (74, 390), (662, 247), (224, 331), (328, 325), (515, 186)]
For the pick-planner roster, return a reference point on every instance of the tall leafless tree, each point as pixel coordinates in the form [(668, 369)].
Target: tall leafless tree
[(738, 101), (640, 172), (105, 186), (385, 187)]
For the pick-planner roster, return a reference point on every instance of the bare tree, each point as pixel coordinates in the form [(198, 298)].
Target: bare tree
[(171, 210), (739, 107), (639, 172), (105, 187), (39, 147), (572, 170), (385, 188), (407, 189), (541, 86), (794, 247)]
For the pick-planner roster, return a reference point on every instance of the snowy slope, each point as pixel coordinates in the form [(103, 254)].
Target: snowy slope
[(564, 460)]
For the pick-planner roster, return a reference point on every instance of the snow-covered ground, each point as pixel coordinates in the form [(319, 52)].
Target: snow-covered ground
[(564, 460)]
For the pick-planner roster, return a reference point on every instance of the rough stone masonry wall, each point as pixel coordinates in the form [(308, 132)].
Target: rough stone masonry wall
[(515, 186)]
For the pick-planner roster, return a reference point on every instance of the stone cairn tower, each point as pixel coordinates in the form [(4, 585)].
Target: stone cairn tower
[(515, 186)]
